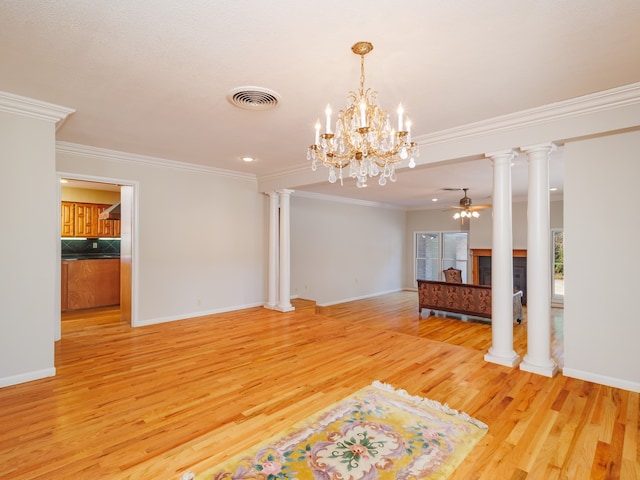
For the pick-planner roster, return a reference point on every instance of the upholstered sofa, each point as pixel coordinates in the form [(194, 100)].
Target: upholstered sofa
[(462, 298)]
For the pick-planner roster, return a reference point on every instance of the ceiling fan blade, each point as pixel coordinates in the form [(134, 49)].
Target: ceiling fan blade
[(480, 207)]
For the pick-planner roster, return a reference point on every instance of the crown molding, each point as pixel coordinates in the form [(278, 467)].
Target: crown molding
[(88, 151), (28, 107), (619, 97), (351, 201), (284, 173)]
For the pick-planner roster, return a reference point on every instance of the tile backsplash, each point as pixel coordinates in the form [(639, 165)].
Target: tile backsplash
[(81, 246)]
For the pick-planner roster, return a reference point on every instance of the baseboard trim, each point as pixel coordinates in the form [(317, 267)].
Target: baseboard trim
[(602, 379), (204, 313), (27, 377), (353, 299)]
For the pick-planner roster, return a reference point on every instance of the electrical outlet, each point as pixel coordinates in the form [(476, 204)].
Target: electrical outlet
[(95, 244)]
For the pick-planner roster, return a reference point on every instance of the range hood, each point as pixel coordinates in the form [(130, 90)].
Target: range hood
[(111, 213)]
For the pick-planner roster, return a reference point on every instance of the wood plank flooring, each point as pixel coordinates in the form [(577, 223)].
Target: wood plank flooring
[(152, 402)]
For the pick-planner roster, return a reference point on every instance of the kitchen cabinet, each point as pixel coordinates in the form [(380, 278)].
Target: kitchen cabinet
[(107, 228), (64, 291), (86, 220), (90, 283), (67, 219), (81, 220)]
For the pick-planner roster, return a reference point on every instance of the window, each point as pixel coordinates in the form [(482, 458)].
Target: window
[(436, 251), (557, 285)]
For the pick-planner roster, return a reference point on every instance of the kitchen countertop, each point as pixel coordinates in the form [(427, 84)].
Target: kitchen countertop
[(88, 256)]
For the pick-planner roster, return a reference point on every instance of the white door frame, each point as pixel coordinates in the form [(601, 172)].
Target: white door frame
[(133, 247)]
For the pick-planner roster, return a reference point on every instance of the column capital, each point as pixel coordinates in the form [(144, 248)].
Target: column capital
[(539, 147), (285, 191), (504, 155), (274, 198)]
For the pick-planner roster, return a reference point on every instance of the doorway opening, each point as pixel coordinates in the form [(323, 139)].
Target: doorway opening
[(96, 248)]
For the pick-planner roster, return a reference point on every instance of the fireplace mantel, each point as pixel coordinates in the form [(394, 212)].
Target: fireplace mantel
[(520, 281)]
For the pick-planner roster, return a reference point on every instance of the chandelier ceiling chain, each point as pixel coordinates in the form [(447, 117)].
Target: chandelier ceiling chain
[(363, 139)]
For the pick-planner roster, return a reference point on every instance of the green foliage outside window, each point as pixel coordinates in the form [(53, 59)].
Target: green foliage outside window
[(558, 254)]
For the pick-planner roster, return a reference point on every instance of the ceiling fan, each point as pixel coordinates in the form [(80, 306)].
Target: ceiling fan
[(468, 210)]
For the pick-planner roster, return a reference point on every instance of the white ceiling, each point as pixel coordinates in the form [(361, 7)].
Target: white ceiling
[(151, 76)]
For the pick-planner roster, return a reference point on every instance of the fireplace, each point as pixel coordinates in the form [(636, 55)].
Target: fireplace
[(481, 260)]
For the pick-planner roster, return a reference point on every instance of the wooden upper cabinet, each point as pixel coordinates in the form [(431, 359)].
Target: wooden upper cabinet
[(116, 227), (105, 227), (67, 220), (81, 220), (84, 224)]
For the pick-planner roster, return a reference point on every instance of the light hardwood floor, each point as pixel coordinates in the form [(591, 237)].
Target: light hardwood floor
[(152, 402)]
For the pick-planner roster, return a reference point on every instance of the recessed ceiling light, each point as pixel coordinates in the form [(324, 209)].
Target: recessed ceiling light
[(434, 199), (553, 189), (64, 180), (248, 159)]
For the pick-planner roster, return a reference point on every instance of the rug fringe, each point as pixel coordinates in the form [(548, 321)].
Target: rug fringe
[(430, 403)]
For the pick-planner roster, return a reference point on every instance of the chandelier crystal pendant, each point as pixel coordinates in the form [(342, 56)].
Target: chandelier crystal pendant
[(363, 143)]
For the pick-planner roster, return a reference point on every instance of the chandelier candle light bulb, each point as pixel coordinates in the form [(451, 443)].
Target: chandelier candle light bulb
[(363, 139), (363, 113)]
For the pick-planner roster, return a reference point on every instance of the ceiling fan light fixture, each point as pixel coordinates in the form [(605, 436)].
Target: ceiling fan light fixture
[(465, 205)]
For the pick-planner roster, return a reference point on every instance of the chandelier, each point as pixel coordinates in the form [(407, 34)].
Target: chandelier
[(363, 143)]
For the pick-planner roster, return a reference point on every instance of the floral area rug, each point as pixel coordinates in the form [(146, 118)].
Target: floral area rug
[(376, 433)]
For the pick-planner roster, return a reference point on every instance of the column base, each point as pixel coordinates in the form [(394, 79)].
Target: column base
[(548, 370), (284, 308), (510, 361), (270, 306)]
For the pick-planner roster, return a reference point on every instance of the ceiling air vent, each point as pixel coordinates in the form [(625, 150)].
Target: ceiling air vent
[(253, 98)]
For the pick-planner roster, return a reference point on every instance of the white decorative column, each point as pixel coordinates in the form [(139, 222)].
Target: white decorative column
[(284, 303), (538, 358), (273, 251), (501, 351)]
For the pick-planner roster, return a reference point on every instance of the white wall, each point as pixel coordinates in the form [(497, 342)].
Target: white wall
[(601, 230), (556, 214), (201, 236), (28, 244), (481, 231), (87, 195), (342, 251)]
